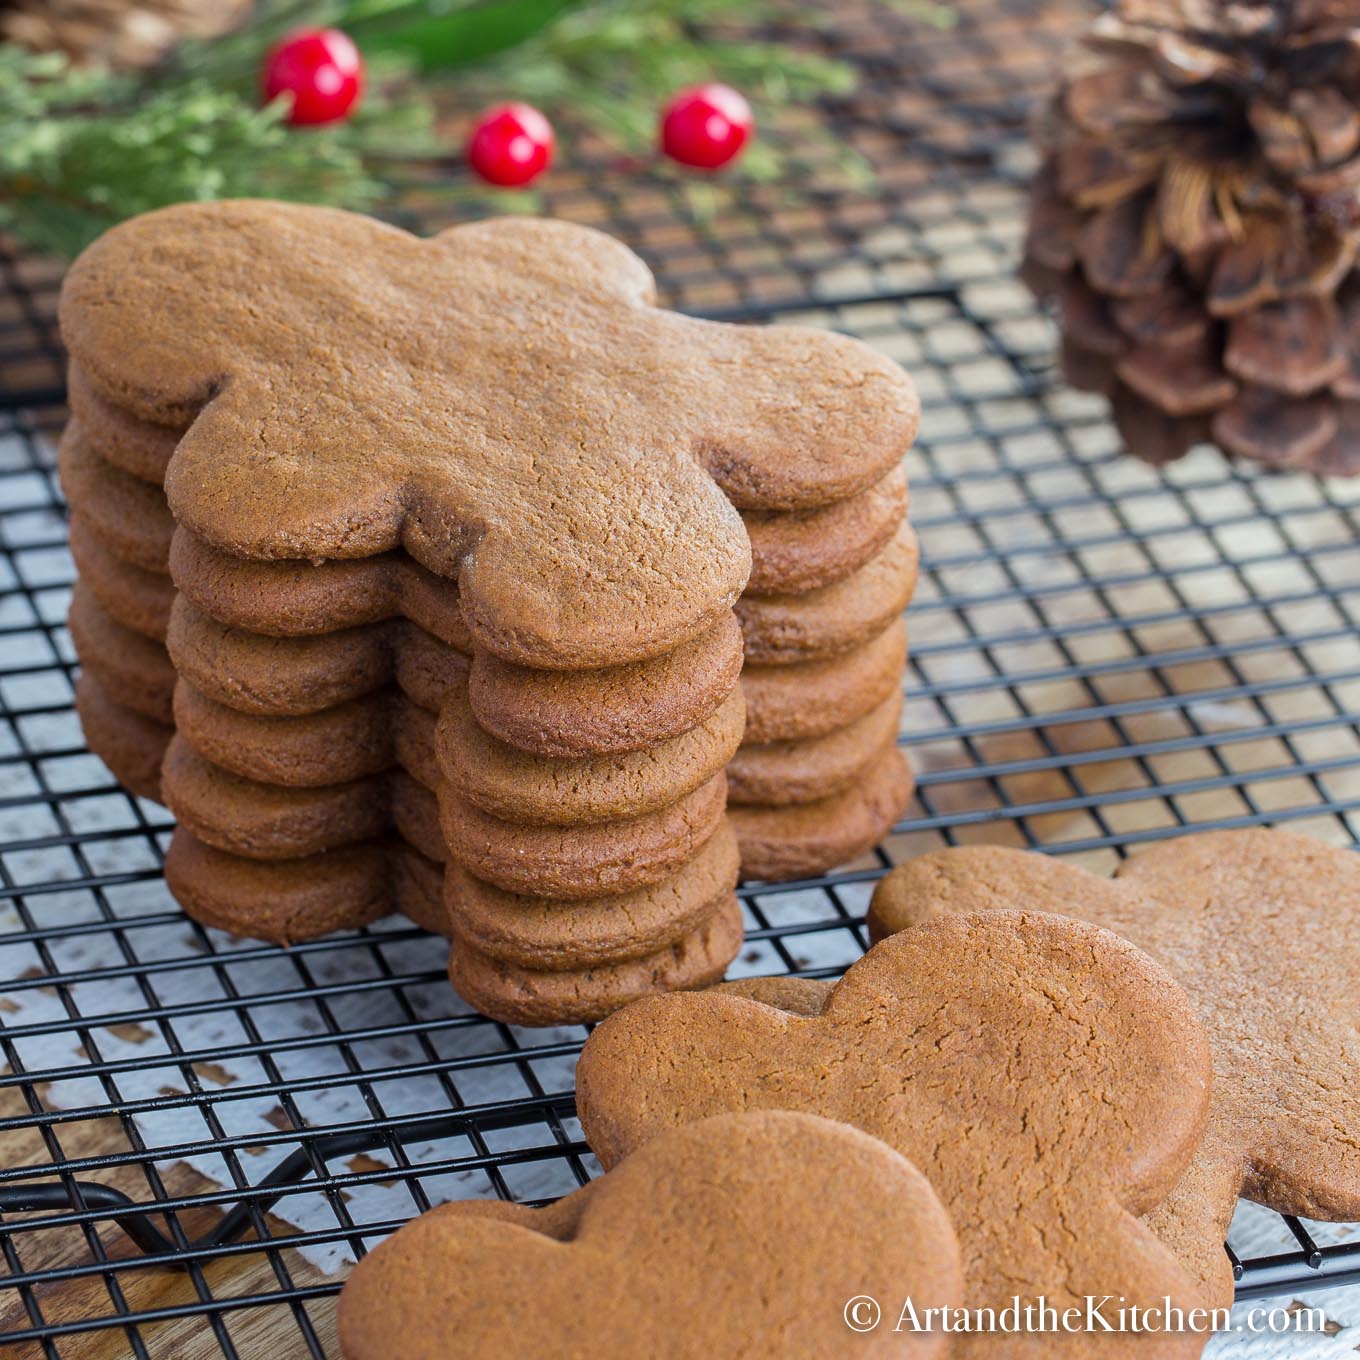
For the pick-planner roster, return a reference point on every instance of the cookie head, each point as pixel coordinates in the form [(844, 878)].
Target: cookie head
[(502, 400), (996, 877), (741, 1235), (1048, 1078)]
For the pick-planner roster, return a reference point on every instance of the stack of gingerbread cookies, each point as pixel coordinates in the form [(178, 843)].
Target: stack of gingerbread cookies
[(278, 708), (590, 857), (120, 531), (819, 777), (414, 574)]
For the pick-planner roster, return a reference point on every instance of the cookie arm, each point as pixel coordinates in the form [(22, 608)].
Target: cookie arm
[(791, 417), (636, 1076)]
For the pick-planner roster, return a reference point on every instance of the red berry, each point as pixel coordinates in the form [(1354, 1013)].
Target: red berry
[(323, 71), (511, 144), (706, 127)]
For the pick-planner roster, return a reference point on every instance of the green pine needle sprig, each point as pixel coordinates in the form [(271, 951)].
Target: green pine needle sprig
[(83, 149)]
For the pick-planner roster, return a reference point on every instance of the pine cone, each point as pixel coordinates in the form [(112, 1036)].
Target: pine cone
[(122, 34), (1197, 219)]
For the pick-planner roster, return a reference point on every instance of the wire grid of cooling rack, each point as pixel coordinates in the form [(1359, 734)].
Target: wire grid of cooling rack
[(1103, 654)]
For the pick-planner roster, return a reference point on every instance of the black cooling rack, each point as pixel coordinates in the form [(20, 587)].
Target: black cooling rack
[(196, 1130)]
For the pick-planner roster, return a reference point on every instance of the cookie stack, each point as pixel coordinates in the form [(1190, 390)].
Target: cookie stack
[(409, 571), (302, 773), (284, 711), (590, 858), (120, 528), (819, 778)]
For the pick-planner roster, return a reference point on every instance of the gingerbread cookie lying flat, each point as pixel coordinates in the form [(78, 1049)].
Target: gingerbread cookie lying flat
[(282, 677), (1049, 1079), (799, 996), (742, 1235), (576, 469), (1262, 929), (302, 599)]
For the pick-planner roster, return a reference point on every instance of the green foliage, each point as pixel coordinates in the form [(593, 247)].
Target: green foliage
[(441, 37), (80, 150), (931, 12)]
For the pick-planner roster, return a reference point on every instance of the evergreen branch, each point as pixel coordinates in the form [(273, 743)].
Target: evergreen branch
[(82, 149)]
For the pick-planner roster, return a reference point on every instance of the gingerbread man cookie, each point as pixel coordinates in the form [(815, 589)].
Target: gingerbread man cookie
[(1262, 929), (579, 468), (1048, 1078), (743, 1235)]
